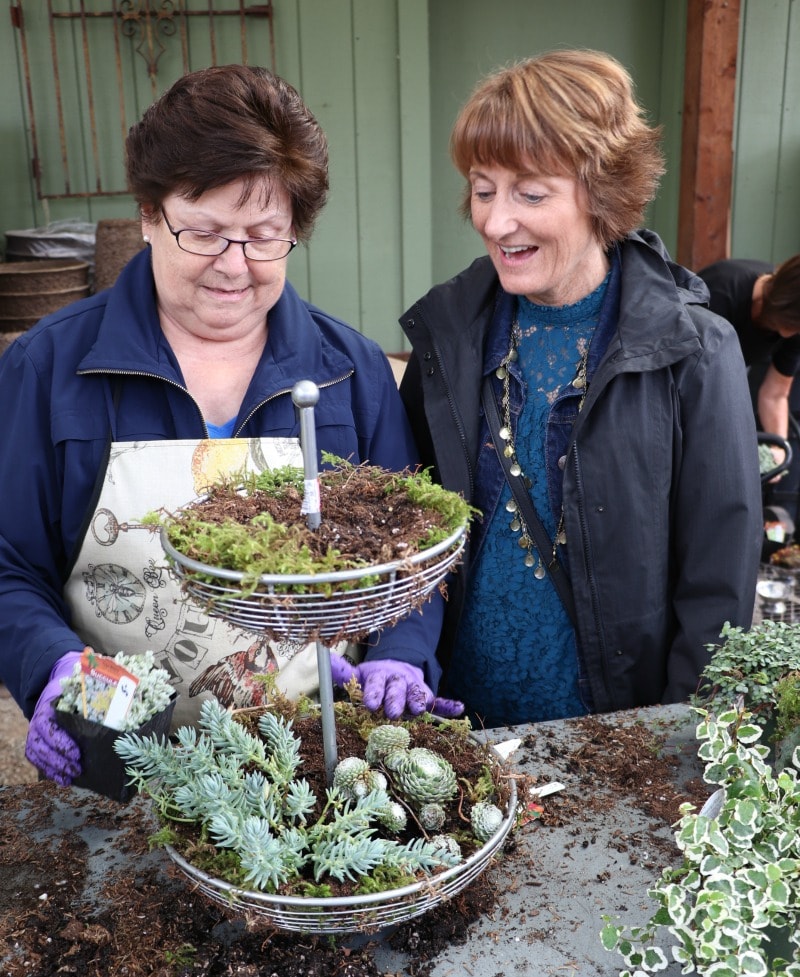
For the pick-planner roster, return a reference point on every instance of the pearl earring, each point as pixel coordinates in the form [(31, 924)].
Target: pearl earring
[(146, 238)]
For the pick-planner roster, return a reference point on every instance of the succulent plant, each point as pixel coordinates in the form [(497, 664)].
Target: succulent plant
[(385, 739), (485, 819), (242, 792), (432, 816), (354, 778), (447, 843), (392, 760), (394, 817), (151, 695), (425, 777)]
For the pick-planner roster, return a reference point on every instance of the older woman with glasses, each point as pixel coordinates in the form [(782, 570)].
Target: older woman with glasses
[(136, 398), (573, 384)]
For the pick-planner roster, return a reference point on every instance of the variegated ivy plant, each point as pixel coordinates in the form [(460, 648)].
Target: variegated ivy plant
[(732, 908)]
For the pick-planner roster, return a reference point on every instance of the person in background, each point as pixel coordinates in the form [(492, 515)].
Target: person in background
[(762, 302), (136, 398), (579, 355)]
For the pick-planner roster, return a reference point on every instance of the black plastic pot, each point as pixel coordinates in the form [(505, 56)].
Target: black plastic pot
[(103, 770)]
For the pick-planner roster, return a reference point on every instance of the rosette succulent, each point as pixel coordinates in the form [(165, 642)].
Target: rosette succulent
[(486, 820), (354, 778), (425, 777), (432, 816), (384, 740), (447, 843), (394, 817)]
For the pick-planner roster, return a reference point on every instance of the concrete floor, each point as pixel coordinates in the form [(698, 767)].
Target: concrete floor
[(14, 768)]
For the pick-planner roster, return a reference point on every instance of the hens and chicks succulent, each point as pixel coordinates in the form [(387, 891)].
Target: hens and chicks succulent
[(243, 794)]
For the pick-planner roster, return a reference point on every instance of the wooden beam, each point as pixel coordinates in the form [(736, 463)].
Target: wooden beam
[(712, 40)]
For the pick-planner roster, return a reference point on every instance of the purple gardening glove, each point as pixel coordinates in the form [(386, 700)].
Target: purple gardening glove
[(397, 686), (48, 747)]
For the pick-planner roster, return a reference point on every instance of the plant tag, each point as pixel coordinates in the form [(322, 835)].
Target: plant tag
[(311, 496), (506, 748), (107, 689), (552, 788), (120, 702), (775, 532)]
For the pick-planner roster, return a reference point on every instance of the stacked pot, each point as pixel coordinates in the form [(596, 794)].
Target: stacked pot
[(32, 289)]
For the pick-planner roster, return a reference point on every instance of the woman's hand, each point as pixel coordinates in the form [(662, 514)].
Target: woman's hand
[(397, 686), (48, 747)]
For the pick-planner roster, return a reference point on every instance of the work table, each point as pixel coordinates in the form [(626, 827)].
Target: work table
[(593, 853)]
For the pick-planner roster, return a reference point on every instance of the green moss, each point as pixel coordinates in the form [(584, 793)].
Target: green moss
[(265, 546)]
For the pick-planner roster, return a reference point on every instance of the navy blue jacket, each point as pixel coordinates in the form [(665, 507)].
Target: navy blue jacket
[(101, 370), (661, 488)]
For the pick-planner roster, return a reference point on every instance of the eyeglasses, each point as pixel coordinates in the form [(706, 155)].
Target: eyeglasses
[(196, 241)]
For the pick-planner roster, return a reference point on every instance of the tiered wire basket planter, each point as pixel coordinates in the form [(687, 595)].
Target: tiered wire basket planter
[(778, 594), (352, 914), (327, 608)]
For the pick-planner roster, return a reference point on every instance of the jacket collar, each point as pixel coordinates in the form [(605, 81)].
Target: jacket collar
[(130, 339), (654, 327)]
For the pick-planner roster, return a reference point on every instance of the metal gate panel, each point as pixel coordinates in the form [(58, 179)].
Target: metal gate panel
[(91, 67)]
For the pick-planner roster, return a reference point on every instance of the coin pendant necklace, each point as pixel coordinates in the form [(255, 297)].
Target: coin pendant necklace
[(517, 525)]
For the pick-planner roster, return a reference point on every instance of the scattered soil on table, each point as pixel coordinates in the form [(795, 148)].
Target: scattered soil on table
[(631, 761), (149, 927), (152, 923), (616, 760)]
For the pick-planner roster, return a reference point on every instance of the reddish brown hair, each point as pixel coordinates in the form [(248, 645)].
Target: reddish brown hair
[(780, 300), (566, 113)]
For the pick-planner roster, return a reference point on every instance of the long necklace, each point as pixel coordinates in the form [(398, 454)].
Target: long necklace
[(518, 524)]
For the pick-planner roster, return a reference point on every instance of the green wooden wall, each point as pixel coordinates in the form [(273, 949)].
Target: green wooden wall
[(386, 79), (766, 194), (467, 43)]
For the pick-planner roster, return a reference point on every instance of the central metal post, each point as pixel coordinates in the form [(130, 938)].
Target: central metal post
[(305, 395)]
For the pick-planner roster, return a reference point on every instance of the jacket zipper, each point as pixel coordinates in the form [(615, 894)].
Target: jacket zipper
[(594, 602), (172, 383), (288, 390)]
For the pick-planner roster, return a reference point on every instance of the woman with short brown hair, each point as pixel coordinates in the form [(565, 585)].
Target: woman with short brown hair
[(573, 379)]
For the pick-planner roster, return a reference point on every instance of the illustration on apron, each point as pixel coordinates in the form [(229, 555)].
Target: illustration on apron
[(123, 596)]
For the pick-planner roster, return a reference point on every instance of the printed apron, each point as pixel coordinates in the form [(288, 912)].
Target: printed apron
[(123, 597)]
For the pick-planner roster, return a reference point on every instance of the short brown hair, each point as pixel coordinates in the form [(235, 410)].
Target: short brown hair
[(227, 123), (568, 113), (780, 301)]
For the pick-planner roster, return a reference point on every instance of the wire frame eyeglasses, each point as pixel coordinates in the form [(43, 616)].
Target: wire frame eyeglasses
[(196, 241)]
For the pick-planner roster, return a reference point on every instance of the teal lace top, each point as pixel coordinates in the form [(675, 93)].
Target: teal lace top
[(515, 658)]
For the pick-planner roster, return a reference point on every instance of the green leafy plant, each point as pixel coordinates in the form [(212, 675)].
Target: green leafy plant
[(231, 798), (787, 705), (752, 665), (732, 907), (182, 957)]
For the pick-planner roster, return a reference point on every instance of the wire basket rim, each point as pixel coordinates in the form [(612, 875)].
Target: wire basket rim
[(304, 579), (274, 905), (264, 900)]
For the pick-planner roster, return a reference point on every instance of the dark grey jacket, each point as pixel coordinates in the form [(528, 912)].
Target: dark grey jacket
[(661, 486)]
